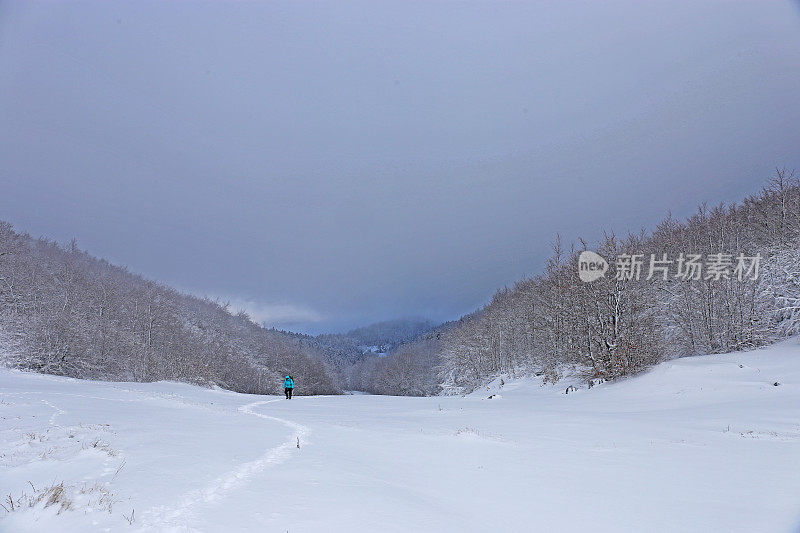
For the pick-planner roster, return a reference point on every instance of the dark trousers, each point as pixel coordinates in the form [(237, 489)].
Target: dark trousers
[(288, 392)]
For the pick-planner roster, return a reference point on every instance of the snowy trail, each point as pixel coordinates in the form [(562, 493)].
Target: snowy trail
[(56, 414), (178, 518), (299, 429)]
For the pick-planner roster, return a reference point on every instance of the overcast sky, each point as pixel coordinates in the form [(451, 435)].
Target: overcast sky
[(329, 164)]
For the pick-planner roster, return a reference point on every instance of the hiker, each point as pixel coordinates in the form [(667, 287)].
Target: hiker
[(288, 386)]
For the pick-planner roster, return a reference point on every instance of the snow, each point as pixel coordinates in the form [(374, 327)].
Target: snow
[(696, 444)]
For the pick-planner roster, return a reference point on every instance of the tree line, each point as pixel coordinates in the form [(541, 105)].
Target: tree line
[(65, 312), (619, 325)]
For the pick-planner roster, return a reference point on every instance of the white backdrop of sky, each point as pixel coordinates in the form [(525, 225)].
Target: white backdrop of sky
[(327, 164)]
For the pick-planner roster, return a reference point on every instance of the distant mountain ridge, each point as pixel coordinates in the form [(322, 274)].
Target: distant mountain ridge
[(344, 353), (389, 334)]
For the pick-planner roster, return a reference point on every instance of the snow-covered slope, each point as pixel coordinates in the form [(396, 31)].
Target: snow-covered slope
[(699, 444)]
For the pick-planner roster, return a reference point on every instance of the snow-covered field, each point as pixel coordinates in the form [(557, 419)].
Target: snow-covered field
[(698, 444)]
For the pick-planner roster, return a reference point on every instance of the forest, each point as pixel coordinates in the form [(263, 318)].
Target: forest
[(553, 322), (68, 313), (65, 312)]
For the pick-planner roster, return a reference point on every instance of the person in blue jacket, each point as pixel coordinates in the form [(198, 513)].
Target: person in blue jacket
[(288, 386)]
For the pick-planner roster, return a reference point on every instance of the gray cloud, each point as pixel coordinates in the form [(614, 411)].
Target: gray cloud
[(360, 161)]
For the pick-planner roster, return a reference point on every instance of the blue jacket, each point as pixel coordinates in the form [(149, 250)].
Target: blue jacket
[(288, 383)]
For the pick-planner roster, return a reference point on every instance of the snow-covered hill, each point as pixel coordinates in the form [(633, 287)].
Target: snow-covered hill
[(700, 444)]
